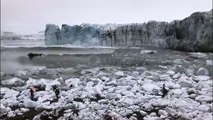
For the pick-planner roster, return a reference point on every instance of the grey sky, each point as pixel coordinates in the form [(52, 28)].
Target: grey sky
[(30, 16)]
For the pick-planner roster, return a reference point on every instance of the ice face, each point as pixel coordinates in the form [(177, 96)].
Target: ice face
[(52, 34), (78, 34), (190, 34)]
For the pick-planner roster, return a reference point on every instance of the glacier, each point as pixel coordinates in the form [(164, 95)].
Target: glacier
[(193, 33)]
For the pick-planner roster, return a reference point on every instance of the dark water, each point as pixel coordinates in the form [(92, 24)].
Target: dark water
[(14, 59)]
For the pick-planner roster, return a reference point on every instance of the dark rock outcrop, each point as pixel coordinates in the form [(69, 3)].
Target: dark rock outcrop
[(194, 33)]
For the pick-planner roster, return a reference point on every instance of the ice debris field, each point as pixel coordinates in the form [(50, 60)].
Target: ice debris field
[(108, 93)]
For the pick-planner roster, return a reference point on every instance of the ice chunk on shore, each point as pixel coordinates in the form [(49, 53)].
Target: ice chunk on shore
[(149, 87), (29, 103)]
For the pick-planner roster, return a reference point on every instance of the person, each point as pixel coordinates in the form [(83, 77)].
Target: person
[(164, 91), (56, 90)]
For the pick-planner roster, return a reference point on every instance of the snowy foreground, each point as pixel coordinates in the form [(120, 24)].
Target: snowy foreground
[(109, 93)]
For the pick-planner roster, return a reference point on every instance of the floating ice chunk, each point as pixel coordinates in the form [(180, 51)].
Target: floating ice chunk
[(185, 81), (13, 82), (192, 90), (72, 82), (204, 98), (154, 76), (4, 90), (43, 106), (163, 113), (189, 72), (37, 117), (104, 78), (148, 51), (48, 83), (170, 84), (135, 73), (153, 114), (29, 103), (103, 101), (165, 77), (11, 94), (99, 88), (209, 62), (119, 73), (11, 114), (90, 84), (176, 76), (52, 74), (141, 69), (42, 82), (201, 78), (2, 74), (160, 103), (176, 86), (176, 92), (204, 108), (45, 96), (127, 93), (203, 84), (110, 83), (10, 102), (192, 96), (143, 113), (207, 116), (180, 61), (198, 55), (22, 74), (203, 71), (148, 117), (18, 112), (170, 72), (24, 109), (33, 82), (4, 110), (149, 87)]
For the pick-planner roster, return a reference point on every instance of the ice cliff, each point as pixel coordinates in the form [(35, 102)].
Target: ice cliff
[(193, 33)]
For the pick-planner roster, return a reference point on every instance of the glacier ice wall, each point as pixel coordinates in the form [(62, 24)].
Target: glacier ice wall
[(77, 34), (193, 33)]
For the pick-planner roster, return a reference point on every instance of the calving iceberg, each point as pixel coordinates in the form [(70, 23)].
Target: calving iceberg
[(190, 34), (78, 34)]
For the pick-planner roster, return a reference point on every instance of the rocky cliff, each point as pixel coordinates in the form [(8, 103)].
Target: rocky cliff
[(194, 33)]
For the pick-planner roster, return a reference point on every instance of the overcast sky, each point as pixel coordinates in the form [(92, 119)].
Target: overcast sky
[(30, 16)]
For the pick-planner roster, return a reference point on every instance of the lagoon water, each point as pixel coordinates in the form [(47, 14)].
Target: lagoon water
[(14, 57)]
